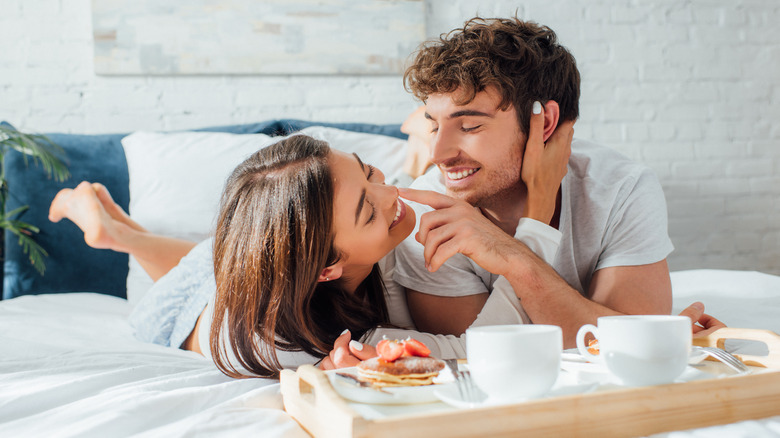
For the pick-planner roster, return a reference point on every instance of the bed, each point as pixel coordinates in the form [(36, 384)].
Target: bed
[(70, 365)]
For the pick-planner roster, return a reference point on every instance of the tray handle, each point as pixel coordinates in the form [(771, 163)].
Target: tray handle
[(772, 340), (309, 398)]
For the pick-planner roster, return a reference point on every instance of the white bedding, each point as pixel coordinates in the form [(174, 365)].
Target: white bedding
[(70, 366)]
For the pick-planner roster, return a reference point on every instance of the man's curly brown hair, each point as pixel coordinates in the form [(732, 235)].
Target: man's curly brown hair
[(521, 59)]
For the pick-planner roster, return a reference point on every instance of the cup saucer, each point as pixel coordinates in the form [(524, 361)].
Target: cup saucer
[(451, 396), (566, 384)]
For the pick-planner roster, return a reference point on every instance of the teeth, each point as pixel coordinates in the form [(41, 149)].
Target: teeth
[(397, 211), (460, 175)]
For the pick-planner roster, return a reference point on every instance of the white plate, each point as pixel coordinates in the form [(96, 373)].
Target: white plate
[(399, 395), (573, 355)]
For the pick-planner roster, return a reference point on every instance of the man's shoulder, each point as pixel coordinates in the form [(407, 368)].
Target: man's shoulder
[(595, 162), (601, 176)]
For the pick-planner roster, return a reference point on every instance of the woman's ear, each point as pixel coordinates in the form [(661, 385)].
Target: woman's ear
[(331, 273), (552, 113)]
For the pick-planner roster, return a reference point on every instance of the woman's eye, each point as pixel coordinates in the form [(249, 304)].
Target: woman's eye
[(371, 171), (373, 212)]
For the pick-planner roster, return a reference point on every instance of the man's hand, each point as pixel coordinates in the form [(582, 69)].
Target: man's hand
[(347, 353), (458, 227), (544, 166), (703, 324)]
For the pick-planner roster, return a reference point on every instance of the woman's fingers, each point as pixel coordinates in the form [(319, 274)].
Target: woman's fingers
[(362, 351), (560, 141), (702, 324), (327, 364), (340, 356), (694, 311), (535, 143), (707, 324)]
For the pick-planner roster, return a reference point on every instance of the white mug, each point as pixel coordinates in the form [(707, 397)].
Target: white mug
[(640, 349), (514, 362)]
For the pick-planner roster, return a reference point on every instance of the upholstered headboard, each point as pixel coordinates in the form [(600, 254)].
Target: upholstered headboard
[(72, 265)]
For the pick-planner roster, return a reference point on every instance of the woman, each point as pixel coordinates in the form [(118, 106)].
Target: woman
[(301, 234)]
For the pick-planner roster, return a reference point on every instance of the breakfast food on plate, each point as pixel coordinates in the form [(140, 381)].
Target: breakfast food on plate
[(400, 363), (593, 347)]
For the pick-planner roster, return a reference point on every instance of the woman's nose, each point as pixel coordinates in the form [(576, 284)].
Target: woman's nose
[(386, 195)]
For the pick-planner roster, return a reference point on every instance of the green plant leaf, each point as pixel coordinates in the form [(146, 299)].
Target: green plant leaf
[(15, 212), (51, 157), (40, 149), (34, 251)]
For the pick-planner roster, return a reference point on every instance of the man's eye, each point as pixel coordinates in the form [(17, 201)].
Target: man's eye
[(465, 129)]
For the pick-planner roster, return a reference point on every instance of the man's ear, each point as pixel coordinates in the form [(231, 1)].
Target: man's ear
[(552, 112), (332, 272)]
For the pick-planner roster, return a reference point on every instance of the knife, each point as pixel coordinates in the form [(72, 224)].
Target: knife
[(355, 381)]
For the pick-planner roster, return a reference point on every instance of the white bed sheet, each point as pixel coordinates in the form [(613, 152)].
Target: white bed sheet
[(70, 366)]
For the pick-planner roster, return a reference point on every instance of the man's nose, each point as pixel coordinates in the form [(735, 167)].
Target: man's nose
[(443, 147)]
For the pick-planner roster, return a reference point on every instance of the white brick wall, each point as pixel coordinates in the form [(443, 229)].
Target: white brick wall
[(691, 88)]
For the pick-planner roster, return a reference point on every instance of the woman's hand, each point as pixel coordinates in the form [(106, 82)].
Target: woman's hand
[(702, 324), (544, 166), (347, 353)]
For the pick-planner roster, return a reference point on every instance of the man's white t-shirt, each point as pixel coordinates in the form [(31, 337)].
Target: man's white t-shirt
[(613, 213)]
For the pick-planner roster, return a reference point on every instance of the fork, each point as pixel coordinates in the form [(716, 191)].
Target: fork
[(724, 356), (466, 387)]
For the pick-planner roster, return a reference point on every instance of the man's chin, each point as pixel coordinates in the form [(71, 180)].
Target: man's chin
[(463, 195)]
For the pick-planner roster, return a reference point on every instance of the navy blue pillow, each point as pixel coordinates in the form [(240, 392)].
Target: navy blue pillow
[(72, 266)]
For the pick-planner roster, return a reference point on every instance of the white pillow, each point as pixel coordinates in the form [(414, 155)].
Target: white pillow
[(176, 179), (386, 153)]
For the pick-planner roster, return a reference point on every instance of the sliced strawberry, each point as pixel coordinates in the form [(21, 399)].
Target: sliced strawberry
[(389, 350), (593, 347), (416, 348)]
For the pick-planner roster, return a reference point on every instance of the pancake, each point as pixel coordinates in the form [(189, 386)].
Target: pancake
[(404, 371)]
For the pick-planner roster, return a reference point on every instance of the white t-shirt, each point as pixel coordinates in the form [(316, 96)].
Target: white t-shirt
[(613, 213)]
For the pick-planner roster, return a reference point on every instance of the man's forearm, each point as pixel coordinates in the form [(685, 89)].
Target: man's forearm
[(444, 315), (548, 299)]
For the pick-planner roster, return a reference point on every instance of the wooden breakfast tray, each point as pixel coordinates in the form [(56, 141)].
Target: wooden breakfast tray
[(312, 401)]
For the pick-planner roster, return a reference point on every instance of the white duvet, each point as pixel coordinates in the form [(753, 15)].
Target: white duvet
[(70, 366)]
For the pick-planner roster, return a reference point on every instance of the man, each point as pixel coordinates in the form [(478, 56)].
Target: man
[(480, 85), (483, 87)]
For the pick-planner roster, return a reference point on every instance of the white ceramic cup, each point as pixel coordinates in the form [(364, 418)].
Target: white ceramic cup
[(640, 349), (514, 362)]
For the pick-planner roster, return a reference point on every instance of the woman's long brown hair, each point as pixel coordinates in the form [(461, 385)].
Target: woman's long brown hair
[(274, 236)]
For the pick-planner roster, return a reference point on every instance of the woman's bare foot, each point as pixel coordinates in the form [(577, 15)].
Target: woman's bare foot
[(113, 209), (82, 206)]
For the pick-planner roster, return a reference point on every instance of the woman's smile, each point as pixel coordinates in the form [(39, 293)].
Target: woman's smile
[(400, 213)]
